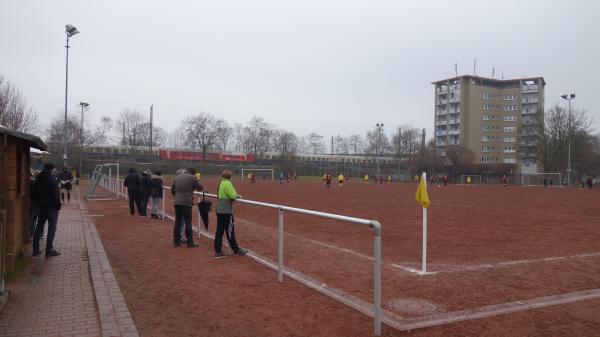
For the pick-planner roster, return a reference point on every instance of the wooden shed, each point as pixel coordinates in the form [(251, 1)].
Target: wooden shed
[(14, 193)]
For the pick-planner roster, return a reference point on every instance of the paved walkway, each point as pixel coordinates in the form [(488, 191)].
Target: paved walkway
[(75, 294)]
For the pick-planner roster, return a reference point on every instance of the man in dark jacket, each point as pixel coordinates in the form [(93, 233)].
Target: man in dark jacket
[(48, 198), (156, 193), (145, 186), (183, 189), (132, 182)]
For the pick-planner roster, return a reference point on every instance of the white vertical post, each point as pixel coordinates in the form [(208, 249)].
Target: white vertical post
[(424, 177), (163, 204), (199, 222), (280, 248), (377, 280)]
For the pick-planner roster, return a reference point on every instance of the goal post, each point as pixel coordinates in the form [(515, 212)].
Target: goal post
[(473, 179), (261, 173), (106, 176), (537, 179)]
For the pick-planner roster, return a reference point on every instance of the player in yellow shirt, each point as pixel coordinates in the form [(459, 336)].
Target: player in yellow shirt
[(366, 178), (341, 180), (198, 176)]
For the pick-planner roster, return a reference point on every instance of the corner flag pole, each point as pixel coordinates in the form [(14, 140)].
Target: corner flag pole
[(424, 178)]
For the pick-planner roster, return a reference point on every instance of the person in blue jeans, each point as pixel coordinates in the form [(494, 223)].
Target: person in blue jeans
[(47, 195)]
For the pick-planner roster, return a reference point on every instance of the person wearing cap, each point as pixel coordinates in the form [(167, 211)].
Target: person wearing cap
[(183, 189), (48, 198), (226, 196)]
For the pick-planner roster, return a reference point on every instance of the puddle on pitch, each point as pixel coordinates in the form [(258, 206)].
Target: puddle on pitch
[(413, 306)]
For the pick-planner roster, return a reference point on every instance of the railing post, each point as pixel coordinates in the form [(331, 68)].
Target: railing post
[(163, 204), (377, 280), (280, 248)]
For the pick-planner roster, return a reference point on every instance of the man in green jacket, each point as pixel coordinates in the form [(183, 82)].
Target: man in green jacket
[(226, 195)]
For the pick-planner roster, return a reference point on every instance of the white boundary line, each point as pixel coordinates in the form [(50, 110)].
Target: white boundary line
[(404, 324)]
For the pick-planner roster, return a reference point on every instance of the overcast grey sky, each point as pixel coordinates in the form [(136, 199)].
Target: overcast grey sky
[(333, 67)]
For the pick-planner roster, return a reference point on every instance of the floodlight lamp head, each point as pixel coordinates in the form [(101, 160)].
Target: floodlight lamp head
[(84, 104), (564, 96), (572, 96), (71, 30)]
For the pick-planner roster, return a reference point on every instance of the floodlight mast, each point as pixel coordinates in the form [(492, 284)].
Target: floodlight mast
[(70, 30), (568, 98)]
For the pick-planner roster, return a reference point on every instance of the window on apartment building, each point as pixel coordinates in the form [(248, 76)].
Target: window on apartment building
[(510, 129), (510, 149), (486, 106), (510, 160), (510, 118), (510, 139), (509, 97)]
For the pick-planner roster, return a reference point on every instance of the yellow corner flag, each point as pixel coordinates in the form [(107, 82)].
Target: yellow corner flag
[(421, 196)]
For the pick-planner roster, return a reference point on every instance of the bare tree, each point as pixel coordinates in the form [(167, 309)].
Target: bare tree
[(555, 140), (134, 127), (356, 143), (176, 138), (258, 136), (286, 145), (315, 143), (461, 158), (14, 112), (203, 131)]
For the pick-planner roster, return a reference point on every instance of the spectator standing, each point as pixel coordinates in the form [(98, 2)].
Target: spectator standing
[(226, 195), (34, 208), (133, 181), (145, 187), (183, 189), (590, 182), (156, 193), (48, 199), (545, 181)]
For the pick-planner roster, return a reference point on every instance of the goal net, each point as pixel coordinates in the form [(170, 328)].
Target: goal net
[(537, 179), (259, 174), (472, 179), (105, 176)]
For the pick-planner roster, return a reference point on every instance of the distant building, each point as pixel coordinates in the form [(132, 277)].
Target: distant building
[(499, 120)]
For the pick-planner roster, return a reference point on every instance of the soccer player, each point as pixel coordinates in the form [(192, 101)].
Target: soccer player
[(341, 180), (445, 179), (253, 179), (366, 178), (65, 177), (551, 182), (328, 180), (389, 179), (545, 181), (505, 180), (468, 180), (281, 176)]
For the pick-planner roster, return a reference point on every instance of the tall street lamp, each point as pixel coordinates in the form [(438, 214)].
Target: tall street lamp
[(568, 98), (379, 130), (83, 106), (70, 30)]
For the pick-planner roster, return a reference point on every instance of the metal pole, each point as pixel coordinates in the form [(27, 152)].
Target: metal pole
[(280, 248), (377, 281), (81, 141), (163, 204), (569, 153), (424, 176), (66, 94)]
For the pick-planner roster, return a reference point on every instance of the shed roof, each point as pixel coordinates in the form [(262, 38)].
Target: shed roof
[(33, 141)]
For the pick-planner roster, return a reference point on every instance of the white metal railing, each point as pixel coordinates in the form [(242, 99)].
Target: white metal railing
[(2, 244), (117, 187)]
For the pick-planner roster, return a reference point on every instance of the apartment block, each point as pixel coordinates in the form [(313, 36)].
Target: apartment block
[(499, 120)]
